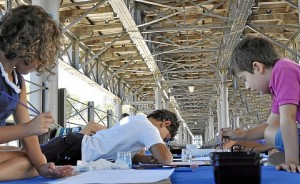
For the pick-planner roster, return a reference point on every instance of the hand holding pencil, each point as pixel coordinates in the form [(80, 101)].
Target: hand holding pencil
[(41, 123), (230, 134), (24, 105)]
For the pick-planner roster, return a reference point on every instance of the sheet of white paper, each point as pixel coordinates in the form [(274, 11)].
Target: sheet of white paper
[(118, 176), (189, 163), (202, 158)]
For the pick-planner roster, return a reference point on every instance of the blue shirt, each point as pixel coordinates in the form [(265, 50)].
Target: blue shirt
[(7, 105)]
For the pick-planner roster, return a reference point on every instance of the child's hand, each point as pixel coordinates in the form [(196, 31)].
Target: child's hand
[(49, 170), (289, 167), (228, 133), (41, 124)]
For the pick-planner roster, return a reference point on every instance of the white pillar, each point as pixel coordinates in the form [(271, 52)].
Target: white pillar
[(179, 133), (132, 111), (118, 109), (206, 134), (52, 7), (158, 98), (218, 101), (8, 5), (166, 104), (184, 135), (236, 121), (211, 125), (224, 101)]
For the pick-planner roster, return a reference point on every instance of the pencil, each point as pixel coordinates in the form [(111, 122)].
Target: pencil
[(220, 142), (24, 105)]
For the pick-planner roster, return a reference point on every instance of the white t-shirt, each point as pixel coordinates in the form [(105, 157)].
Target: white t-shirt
[(132, 133)]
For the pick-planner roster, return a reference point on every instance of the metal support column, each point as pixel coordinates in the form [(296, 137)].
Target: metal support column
[(45, 107), (236, 122), (52, 7), (224, 100), (218, 101), (179, 133), (211, 124), (8, 5), (62, 100), (158, 98), (109, 119), (132, 111), (91, 109), (166, 104), (45, 97), (118, 109)]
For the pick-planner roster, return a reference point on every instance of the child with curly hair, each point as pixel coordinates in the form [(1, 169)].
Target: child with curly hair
[(29, 40)]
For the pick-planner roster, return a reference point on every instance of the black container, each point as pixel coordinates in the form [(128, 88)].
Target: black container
[(236, 167)]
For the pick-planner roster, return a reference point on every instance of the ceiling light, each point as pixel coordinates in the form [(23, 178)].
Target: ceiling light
[(191, 89)]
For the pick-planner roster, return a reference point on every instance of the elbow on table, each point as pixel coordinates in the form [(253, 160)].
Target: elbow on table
[(166, 159)]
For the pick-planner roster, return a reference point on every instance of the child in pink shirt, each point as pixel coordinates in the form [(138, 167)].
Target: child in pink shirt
[(256, 61)]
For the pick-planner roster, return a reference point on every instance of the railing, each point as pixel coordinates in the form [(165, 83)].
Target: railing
[(84, 115)]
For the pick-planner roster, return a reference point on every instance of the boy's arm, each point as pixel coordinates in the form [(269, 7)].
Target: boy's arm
[(141, 157), (161, 153), (252, 134), (290, 138), (91, 128), (256, 133)]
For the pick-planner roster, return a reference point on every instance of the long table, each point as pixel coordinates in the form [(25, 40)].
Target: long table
[(203, 174)]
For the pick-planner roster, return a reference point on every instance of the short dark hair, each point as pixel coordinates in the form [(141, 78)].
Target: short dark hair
[(251, 49), (29, 32), (124, 115), (165, 115)]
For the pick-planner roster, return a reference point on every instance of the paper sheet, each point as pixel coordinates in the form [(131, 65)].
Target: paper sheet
[(202, 158), (118, 176), (189, 163)]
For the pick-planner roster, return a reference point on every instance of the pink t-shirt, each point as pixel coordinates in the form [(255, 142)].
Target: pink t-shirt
[(285, 85)]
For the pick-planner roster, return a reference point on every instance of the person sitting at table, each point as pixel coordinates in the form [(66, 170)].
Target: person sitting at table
[(132, 133)]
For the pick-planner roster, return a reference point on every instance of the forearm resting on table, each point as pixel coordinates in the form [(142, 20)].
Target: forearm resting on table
[(256, 133), (142, 158)]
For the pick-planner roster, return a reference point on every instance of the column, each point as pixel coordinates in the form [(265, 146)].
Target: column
[(91, 110), (179, 133), (52, 7), (206, 134), (109, 119), (211, 124), (62, 101), (158, 98), (118, 108), (132, 111), (218, 101), (166, 104), (224, 100), (8, 5), (236, 122)]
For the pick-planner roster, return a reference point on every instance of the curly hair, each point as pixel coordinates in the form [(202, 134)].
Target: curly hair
[(30, 33), (251, 49), (165, 115)]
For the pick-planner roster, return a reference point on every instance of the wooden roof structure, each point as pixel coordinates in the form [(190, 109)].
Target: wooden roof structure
[(132, 47)]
